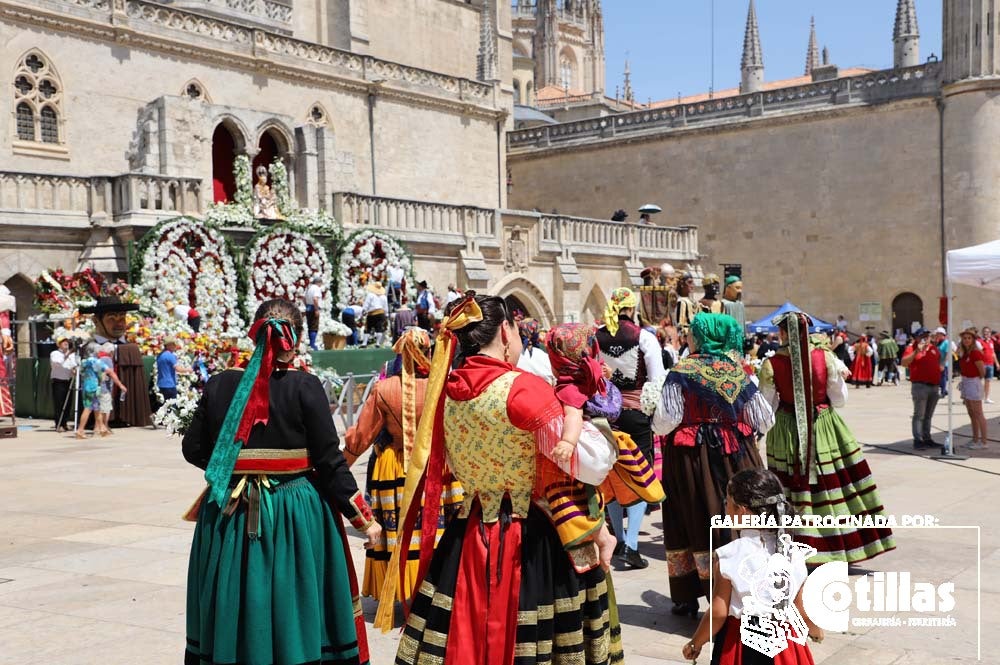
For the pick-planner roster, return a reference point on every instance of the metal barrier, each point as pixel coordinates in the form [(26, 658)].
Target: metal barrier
[(345, 407)]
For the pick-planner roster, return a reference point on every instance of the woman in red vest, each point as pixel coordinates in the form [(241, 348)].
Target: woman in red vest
[(811, 449)]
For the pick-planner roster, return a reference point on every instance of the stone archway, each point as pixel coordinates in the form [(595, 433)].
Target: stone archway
[(907, 308), (521, 291), (593, 308), (23, 290)]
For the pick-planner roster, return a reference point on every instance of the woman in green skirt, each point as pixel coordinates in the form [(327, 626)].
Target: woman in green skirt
[(812, 451), (270, 579)]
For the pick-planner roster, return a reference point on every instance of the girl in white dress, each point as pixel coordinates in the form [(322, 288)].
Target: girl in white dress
[(757, 615)]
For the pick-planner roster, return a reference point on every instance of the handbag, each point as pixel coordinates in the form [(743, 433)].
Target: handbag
[(608, 405)]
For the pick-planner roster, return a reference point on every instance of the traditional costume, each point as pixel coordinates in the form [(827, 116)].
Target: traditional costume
[(732, 301), (134, 409), (500, 588), (8, 353), (270, 578), (635, 358), (764, 608), (712, 413), (710, 303), (388, 421), (574, 354), (813, 453), (861, 368)]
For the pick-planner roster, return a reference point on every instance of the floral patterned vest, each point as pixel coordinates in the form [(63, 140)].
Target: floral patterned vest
[(488, 454)]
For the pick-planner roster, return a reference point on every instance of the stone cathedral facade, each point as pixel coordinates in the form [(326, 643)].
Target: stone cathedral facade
[(840, 190), (387, 113)]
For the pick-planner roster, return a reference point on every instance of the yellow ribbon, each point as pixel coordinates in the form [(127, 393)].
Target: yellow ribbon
[(465, 312), (412, 347)]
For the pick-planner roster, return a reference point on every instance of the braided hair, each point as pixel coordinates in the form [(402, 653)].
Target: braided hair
[(760, 491), (474, 336), (281, 309)]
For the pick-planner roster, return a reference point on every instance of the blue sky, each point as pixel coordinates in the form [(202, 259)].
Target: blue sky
[(669, 41)]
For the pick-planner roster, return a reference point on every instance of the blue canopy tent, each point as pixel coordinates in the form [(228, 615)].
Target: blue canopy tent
[(764, 325)]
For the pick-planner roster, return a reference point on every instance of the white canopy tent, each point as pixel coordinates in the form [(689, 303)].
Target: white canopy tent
[(977, 266)]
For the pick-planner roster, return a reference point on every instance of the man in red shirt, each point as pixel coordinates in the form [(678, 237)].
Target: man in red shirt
[(924, 361), (989, 362)]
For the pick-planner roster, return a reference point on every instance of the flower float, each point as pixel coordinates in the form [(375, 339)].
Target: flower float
[(367, 255), (186, 262), (280, 263)]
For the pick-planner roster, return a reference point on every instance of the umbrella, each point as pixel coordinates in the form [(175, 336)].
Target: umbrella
[(651, 208)]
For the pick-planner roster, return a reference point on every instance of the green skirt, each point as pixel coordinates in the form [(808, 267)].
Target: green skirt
[(844, 486), (284, 596)]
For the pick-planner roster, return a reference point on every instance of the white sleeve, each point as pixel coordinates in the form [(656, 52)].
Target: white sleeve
[(652, 353), (765, 382), (758, 414), (670, 410), (836, 387)]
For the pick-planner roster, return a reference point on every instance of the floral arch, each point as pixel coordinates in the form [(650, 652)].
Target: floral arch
[(365, 256), (183, 261), (280, 263)]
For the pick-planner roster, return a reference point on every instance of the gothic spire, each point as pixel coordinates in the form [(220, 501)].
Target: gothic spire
[(629, 96), (906, 35), (752, 65), (488, 61), (906, 20), (812, 51)]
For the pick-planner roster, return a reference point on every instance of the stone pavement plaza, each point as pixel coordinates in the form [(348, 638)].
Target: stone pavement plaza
[(93, 552)]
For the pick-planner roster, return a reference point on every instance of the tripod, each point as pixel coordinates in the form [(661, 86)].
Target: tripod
[(74, 391)]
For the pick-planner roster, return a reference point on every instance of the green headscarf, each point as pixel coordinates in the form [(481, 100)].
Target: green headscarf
[(717, 334)]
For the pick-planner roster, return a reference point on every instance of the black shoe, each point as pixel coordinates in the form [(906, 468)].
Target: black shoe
[(632, 559), (619, 548), (919, 445), (689, 608), (933, 444)]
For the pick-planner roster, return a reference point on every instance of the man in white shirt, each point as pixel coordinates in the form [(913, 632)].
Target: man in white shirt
[(313, 299), (375, 310), (453, 294), (396, 276), (64, 361)]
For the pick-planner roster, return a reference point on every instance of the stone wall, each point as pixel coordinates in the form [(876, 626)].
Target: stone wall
[(972, 198), (827, 209), (441, 35), (107, 86)]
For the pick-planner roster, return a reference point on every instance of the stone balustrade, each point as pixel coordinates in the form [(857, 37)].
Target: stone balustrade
[(416, 221), (439, 223), (272, 14), (144, 193), (870, 88), (581, 235), (86, 200)]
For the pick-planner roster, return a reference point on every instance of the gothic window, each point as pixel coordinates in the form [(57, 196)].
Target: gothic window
[(49, 124), (317, 115), (565, 73), (193, 89), (25, 122), (38, 101)]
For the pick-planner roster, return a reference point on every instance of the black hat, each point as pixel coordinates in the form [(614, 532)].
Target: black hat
[(107, 304), (921, 332), (422, 283)]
